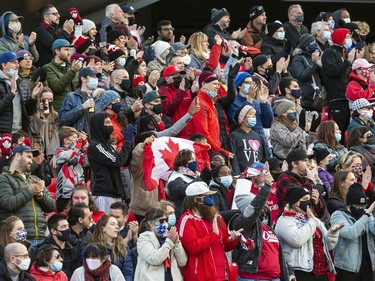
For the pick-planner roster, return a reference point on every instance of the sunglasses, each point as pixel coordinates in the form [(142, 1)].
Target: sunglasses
[(161, 220)]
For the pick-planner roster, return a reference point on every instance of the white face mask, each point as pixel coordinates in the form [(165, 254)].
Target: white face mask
[(24, 264), (15, 27), (280, 35), (93, 264), (348, 43), (347, 20), (187, 59)]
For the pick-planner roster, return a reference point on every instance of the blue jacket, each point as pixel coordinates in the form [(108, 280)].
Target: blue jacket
[(264, 113), (348, 250)]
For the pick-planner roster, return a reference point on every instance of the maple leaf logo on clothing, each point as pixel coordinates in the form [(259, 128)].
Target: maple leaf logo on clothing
[(169, 152)]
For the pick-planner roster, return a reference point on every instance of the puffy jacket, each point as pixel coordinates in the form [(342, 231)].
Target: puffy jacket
[(28, 104), (205, 249), (17, 200), (274, 48), (348, 251), (253, 37)]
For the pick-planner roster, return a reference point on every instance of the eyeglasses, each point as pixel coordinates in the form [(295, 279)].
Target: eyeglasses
[(57, 256), (161, 220), (25, 256), (56, 14), (167, 29)]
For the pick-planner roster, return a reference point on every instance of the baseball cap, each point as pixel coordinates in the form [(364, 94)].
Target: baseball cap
[(255, 169), (61, 43), (22, 54), (150, 96), (179, 46), (87, 71), (361, 103), (170, 70), (361, 63), (297, 155), (13, 16), (24, 148), (198, 188), (129, 9), (8, 56)]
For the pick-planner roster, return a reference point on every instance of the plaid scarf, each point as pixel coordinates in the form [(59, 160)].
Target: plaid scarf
[(102, 272)]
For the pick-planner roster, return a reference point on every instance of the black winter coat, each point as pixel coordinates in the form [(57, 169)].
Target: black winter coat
[(292, 35), (274, 48)]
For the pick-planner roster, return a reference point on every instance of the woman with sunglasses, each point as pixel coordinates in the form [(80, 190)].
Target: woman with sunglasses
[(48, 264), (160, 252), (360, 140), (106, 234)]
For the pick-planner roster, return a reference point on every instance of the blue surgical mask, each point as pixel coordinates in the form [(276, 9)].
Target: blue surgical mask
[(211, 94), (193, 166), (92, 84), (208, 201), (296, 93), (338, 137), (251, 122), (292, 116), (11, 72), (121, 62), (56, 266), (280, 35), (348, 43), (226, 181), (172, 219), (347, 20), (311, 48), (246, 89), (326, 35), (161, 229)]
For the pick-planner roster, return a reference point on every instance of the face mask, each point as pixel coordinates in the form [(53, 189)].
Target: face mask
[(93, 264), (296, 93), (187, 59), (121, 62), (212, 95), (292, 116), (269, 71), (370, 141), (50, 104), (226, 181), (357, 170), (326, 35), (331, 24), (92, 84), (116, 107), (159, 127), (124, 85), (158, 108), (348, 43), (251, 122), (108, 130), (246, 89), (91, 52), (208, 201), (177, 81), (265, 222), (161, 229), (275, 176), (362, 38), (347, 20), (65, 235), (338, 137), (311, 48), (280, 35), (131, 21), (366, 72), (367, 114), (193, 166), (299, 18), (303, 205), (172, 219), (15, 27), (356, 212), (21, 235), (11, 72), (24, 264), (56, 266)]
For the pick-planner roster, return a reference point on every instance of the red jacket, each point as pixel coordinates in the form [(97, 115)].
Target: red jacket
[(358, 88), (117, 132), (206, 250), (40, 275), (176, 104)]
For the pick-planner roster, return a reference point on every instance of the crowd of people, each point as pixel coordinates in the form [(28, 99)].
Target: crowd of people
[(284, 114)]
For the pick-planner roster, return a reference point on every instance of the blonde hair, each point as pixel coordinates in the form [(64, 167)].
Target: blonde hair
[(363, 27), (196, 41), (347, 159), (369, 48)]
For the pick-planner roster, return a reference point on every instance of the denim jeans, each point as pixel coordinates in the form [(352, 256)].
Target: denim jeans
[(34, 244)]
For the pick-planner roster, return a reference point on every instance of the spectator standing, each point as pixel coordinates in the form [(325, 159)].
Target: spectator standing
[(113, 15), (294, 28), (255, 28)]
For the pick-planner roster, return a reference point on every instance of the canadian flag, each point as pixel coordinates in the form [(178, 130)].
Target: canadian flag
[(159, 156)]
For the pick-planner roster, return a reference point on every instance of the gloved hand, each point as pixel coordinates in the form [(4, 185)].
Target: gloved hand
[(40, 73), (233, 70), (128, 133)]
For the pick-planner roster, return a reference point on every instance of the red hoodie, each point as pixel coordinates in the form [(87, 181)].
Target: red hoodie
[(205, 249), (358, 88)]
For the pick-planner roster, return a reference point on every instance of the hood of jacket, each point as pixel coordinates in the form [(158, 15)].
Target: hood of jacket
[(4, 25), (97, 127)]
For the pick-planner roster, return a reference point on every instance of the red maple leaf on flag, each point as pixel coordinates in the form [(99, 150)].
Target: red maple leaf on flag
[(170, 154)]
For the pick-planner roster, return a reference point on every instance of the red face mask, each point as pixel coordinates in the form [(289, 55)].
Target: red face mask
[(160, 127)]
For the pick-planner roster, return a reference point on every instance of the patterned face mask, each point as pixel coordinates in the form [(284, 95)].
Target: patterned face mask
[(357, 170), (366, 72)]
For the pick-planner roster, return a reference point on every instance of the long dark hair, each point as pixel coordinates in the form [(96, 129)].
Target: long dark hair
[(152, 214), (357, 133)]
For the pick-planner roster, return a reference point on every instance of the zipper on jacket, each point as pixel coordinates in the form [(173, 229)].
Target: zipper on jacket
[(35, 219)]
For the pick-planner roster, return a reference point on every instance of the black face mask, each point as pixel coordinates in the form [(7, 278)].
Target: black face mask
[(50, 104), (276, 176), (177, 81), (269, 71), (303, 205), (370, 141), (91, 52), (65, 235), (131, 21), (158, 108), (124, 85), (108, 130), (356, 213)]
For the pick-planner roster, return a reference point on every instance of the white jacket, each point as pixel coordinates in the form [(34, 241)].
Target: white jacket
[(150, 266), (297, 241), (114, 272)]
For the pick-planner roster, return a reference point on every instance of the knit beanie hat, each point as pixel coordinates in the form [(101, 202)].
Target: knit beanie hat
[(160, 47), (355, 195), (320, 154), (87, 25), (217, 14), (272, 27), (137, 79), (87, 59), (240, 77), (107, 98), (259, 60), (113, 34), (282, 105), (241, 113), (82, 43), (305, 40), (206, 77), (6, 145), (114, 52), (256, 11), (243, 202), (295, 193), (338, 36), (123, 28)]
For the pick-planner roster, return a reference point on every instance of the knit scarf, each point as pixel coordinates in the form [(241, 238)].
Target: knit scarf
[(102, 272), (186, 171), (51, 27)]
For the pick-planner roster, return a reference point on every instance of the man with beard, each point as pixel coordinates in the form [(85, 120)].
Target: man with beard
[(61, 74), (25, 196), (204, 236), (48, 31), (300, 174)]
